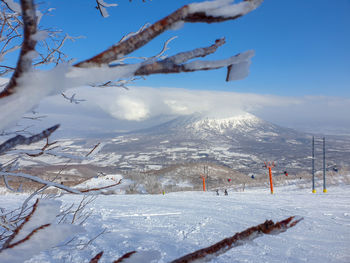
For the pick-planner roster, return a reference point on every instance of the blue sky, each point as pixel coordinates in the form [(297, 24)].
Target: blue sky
[(302, 46), (299, 77)]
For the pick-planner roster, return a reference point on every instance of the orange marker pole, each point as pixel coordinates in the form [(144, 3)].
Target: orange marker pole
[(203, 178), (270, 166), (270, 174)]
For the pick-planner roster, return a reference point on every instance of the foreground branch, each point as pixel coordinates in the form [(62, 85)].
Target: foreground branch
[(41, 181), (193, 13), (21, 140), (176, 63), (211, 252), (18, 229), (268, 227), (24, 62)]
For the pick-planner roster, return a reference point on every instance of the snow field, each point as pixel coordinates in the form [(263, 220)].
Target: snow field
[(168, 226)]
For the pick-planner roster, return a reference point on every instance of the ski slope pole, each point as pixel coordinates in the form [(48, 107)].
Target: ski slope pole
[(270, 166), (324, 165), (270, 175), (313, 165), (203, 178)]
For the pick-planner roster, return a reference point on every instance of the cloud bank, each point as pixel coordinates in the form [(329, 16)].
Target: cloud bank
[(140, 104)]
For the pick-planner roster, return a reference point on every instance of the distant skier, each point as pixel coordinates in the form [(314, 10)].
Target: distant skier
[(285, 173), (217, 191), (226, 193)]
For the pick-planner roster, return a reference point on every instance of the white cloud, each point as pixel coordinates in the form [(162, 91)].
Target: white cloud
[(140, 104), (129, 108)]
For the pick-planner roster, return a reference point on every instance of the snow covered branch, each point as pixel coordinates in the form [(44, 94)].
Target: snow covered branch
[(20, 139), (219, 11), (101, 6), (211, 252), (105, 70), (175, 64), (100, 188), (25, 60), (268, 227), (207, 12), (41, 181)]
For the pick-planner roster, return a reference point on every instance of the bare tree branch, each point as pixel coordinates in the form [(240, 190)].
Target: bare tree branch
[(96, 258), (124, 257), (43, 149), (93, 149)]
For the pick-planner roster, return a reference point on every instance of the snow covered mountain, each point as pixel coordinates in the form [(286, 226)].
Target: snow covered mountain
[(242, 142)]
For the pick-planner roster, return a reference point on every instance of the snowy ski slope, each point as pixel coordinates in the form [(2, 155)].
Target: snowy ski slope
[(168, 226)]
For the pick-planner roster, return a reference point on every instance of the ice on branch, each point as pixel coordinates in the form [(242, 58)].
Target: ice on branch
[(224, 8), (238, 65)]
